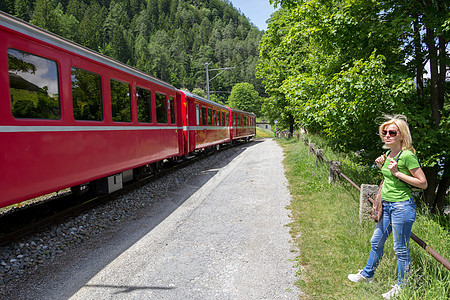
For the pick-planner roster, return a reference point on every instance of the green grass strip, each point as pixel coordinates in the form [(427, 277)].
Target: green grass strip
[(332, 243)]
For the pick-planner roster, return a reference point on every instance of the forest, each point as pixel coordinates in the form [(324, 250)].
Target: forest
[(336, 67), (169, 39), (332, 67)]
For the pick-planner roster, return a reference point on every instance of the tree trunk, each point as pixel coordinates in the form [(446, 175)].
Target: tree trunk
[(419, 59), (434, 91), (291, 125), (439, 201), (442, 71), (430, 193)]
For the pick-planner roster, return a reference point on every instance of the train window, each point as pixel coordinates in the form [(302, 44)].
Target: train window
[(209, 116), (203, 115), (86, 95), (33, 86), (223, 119), (214, 117), (120, 101), (161, 108), (197, 114), (172, 110), (144, 105), (226, 119)]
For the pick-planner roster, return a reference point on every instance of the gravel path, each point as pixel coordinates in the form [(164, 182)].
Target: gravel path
[(218, 231)]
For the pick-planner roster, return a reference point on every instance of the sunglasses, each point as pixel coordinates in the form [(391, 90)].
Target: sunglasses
[(391, 133)]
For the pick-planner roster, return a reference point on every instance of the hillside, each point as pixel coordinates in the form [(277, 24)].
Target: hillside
[(169, 39)]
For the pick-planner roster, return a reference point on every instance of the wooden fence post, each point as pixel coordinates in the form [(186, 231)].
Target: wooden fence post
[(319, 156), (365, 207), (335, 169)]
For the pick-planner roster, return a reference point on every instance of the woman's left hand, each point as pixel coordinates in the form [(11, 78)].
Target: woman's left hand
[(393, 167)]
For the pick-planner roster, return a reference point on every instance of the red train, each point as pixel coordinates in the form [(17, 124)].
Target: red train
[(71, 117)]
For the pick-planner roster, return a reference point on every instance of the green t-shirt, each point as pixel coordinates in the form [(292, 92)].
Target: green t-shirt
[(395, 190)]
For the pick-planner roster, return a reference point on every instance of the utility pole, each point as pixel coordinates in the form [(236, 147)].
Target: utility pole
[(207, 76), (207, 81)]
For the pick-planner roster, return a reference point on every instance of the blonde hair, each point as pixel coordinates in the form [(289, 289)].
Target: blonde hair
[(401, 122)]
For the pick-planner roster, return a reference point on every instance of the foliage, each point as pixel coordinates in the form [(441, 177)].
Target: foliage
[(244, 97), (169, 39), (199, 92), (338, 66)]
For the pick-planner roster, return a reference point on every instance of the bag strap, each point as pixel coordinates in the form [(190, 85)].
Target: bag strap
[(398, 155), (411, 187)]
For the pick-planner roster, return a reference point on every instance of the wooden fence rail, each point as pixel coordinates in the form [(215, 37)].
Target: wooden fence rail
[(367, 191)]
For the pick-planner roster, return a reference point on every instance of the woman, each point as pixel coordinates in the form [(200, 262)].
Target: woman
[(401, 170)]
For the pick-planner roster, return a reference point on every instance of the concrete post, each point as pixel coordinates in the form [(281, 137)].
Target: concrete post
[(319, 156), (335, 169), (365, 207)]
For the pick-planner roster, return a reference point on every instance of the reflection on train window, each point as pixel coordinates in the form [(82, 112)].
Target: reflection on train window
[(144, 105), (203, 115), (120, 101), (172, 110), (86, 95), (34, 86), (209, 116), (197, 114), (161, 108)]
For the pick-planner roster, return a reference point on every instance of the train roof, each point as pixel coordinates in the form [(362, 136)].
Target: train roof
[(242, 111), (43, 35), (189, 94)]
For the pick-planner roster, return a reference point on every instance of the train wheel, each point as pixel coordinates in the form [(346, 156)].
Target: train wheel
[(138, 173), (155, 167)]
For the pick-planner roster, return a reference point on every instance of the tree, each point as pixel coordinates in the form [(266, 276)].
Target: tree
[(45, 16), (244, 97), (199, 92), (22, 9), (336, 68)]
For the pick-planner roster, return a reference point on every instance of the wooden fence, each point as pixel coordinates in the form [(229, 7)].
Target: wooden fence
[(367, 192)]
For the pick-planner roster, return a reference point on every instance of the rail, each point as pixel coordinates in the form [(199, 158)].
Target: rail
[(335, 172)]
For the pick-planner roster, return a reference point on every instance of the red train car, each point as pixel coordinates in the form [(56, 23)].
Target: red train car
[(206, 124), (243, 125), (69, 115)]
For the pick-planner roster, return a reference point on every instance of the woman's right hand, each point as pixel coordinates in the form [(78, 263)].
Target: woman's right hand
[(380, 161)]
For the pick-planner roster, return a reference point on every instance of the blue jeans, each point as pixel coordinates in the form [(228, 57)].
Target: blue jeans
[(400, 217)]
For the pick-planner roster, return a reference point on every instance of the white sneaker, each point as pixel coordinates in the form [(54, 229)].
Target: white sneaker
[(393, 292), (358, 277)]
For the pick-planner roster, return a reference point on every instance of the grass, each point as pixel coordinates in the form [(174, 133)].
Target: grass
[(332, 243), (262, 133)]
